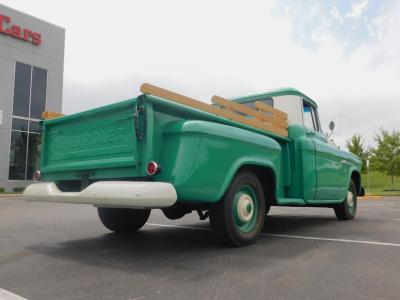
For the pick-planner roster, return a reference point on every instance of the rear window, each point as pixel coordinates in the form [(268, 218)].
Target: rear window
[(252, 104)]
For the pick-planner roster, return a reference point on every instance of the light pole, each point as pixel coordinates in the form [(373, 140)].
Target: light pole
[(368, 174)]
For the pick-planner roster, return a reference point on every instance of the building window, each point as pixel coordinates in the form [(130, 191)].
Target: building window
[(17, 168), (22, 90), (38, 92), (33, 160), (29, 91), (29, 103)]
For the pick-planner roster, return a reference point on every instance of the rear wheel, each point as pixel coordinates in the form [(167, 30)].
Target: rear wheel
[(347, 209), (237, 219), (123, 219)]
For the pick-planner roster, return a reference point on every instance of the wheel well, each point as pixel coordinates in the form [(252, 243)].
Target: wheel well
[(267, 179), (356, 177)]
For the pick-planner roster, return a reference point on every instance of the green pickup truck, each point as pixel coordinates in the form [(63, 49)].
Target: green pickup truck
[(152, 153)]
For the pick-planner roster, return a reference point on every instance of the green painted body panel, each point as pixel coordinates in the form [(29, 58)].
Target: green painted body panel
[(98, 142), (201, 158), (303, 184), (200, 153)]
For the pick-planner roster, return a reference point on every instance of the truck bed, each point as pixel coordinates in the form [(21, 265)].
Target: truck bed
[(103, 143)]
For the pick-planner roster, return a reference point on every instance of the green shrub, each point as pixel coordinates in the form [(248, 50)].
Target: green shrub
[(18, 189), (2, 190)]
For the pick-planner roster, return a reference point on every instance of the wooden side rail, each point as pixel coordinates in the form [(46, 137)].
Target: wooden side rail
[(226, 112), (178, 98)]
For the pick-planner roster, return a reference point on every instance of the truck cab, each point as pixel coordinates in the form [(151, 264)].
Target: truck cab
[(325, 166)]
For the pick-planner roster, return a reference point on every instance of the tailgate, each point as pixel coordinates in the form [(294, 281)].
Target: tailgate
[(96, 143)]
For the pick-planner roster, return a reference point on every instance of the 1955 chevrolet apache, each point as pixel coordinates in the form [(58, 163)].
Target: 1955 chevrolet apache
[(229, 161)]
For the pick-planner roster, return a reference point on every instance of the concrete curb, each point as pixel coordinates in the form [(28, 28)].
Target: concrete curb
[(377, 197), (10, 195), (370, 197)]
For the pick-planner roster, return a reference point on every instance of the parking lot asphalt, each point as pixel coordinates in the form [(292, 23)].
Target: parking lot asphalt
[(61, 251)]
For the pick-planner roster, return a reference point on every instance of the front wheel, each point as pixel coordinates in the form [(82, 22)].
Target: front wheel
[(237, 219), (347, 209), (123, 220)]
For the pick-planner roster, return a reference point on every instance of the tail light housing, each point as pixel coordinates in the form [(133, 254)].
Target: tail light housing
[(153, 168)]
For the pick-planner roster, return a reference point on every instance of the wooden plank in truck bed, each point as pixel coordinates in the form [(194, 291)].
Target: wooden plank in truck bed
[(229, 110)]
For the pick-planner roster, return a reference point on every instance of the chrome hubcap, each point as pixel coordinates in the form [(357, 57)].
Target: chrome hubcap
[(350, 199), (245, 208)]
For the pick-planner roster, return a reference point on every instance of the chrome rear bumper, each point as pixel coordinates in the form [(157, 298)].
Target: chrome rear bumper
[(129, 194)]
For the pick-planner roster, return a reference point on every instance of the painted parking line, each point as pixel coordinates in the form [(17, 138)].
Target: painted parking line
[(378, 219), (6, 295), (333, 218), (331, 239), (375, 243)]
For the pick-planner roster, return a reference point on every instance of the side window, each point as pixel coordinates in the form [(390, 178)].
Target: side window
[(310, 117), (316, 119)]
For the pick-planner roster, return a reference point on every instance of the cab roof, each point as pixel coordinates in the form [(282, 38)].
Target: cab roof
[(273, 93)]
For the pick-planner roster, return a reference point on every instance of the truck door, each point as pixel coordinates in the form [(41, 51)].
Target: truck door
[(331, 172)]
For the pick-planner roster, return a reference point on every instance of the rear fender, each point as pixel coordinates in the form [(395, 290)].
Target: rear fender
[(201, 158), (248, 163)]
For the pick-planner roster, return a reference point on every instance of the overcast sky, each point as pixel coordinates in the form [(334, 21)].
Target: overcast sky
[(343, 54)]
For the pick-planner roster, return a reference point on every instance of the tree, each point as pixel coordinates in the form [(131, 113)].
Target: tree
[(355, 144), (386, 157)]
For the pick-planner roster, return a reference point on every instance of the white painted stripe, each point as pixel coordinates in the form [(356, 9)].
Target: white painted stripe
[(6, 295), (290, 236), (330, 239), (318, 216), (379, 219)]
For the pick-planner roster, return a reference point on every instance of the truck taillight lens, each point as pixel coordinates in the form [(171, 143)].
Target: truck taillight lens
[(37, 176), (153, 168)]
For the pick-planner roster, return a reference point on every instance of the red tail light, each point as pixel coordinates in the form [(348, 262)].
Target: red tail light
[(153, 168)]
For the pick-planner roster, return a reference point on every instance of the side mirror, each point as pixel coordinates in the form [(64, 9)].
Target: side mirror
[(331, 127)]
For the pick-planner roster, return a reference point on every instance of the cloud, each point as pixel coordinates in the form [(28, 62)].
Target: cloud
[(230, 58), (358, 9), (356, 58), (350, 66), (385, 37), (336, 15)]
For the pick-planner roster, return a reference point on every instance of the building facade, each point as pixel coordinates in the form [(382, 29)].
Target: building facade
[(31, 81)]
